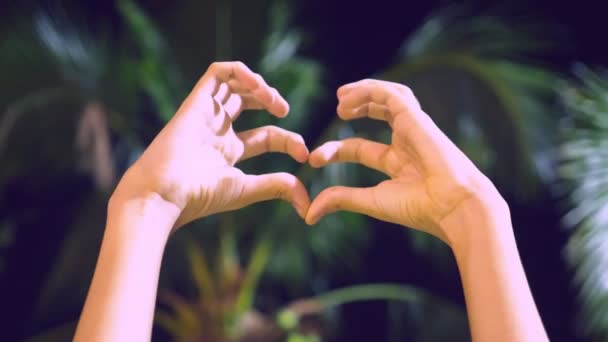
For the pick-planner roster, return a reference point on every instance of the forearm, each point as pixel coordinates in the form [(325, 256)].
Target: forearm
[(499, 302), (121, 299)]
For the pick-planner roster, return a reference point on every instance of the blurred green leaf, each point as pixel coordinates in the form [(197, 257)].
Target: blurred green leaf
[(469, 72), (470, 75), (436, 317), (158, 75), (584, 180)]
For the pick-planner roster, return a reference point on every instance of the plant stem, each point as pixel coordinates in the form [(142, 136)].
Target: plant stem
[(365, 292), (259, 260)]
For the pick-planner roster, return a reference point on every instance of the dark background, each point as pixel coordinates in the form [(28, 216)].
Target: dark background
[(353, 39), (356, 38)]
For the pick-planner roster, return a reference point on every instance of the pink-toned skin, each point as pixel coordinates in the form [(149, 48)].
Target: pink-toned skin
[(434, 188), (188, 172)]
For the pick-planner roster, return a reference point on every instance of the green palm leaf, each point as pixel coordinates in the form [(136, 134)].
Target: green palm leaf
[(440, 318), (584, 177), (472, 74)]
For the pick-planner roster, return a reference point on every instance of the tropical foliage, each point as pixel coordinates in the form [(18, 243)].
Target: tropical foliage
[(90, 101), (584, 183)]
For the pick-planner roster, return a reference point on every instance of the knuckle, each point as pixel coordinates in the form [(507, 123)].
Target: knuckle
[(214, 66), (239, 64), (289, 181), (272, 132), (273, 128), (332, 192), (296, 137), (407, 90), (265, 135), (403, 87), (284, 175), (279, 192)]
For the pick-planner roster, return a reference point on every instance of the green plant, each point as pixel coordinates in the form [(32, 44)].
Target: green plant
[(121, 95), (583, 175), (461, 77), (474, 75)]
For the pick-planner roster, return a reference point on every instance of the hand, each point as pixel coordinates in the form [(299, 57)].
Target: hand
[(190, 164), (431, 180)]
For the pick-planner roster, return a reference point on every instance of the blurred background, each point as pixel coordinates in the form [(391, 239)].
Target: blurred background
[(520, 86)]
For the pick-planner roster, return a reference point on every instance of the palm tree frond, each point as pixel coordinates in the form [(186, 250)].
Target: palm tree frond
[(469, 74), (159, 77), (79, 56), (584, 172), (457, 29)]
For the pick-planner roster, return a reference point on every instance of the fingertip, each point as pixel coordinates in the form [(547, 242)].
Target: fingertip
[(343, 90), (324, 154), (277, 104), (266, 96), (303, 154), (319, 207), (343, 112), (315, 160), (280, 110), (300, 211), (301, 200), (311, 220), (297, 148), (283, 108)]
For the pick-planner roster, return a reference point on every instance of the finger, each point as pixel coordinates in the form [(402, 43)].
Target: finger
[(273, 139), (250, 101), (345, 89), (371, 97), (226, 89), (378, 100), (373, 111), (336, 198), (249, 81), (279, 185), (224, 72), (353, 150), (237, 87), (238, 103), (223, 93), (411, 125), (280, 105)]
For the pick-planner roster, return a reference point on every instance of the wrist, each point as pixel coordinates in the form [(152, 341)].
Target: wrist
[(498, 298), (120, 304), (481, 219), (144, 214)]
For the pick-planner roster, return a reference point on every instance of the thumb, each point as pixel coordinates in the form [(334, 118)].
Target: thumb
[(280, 185), (332, 199)]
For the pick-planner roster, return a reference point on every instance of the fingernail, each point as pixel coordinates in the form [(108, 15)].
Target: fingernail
[(314, 220)]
